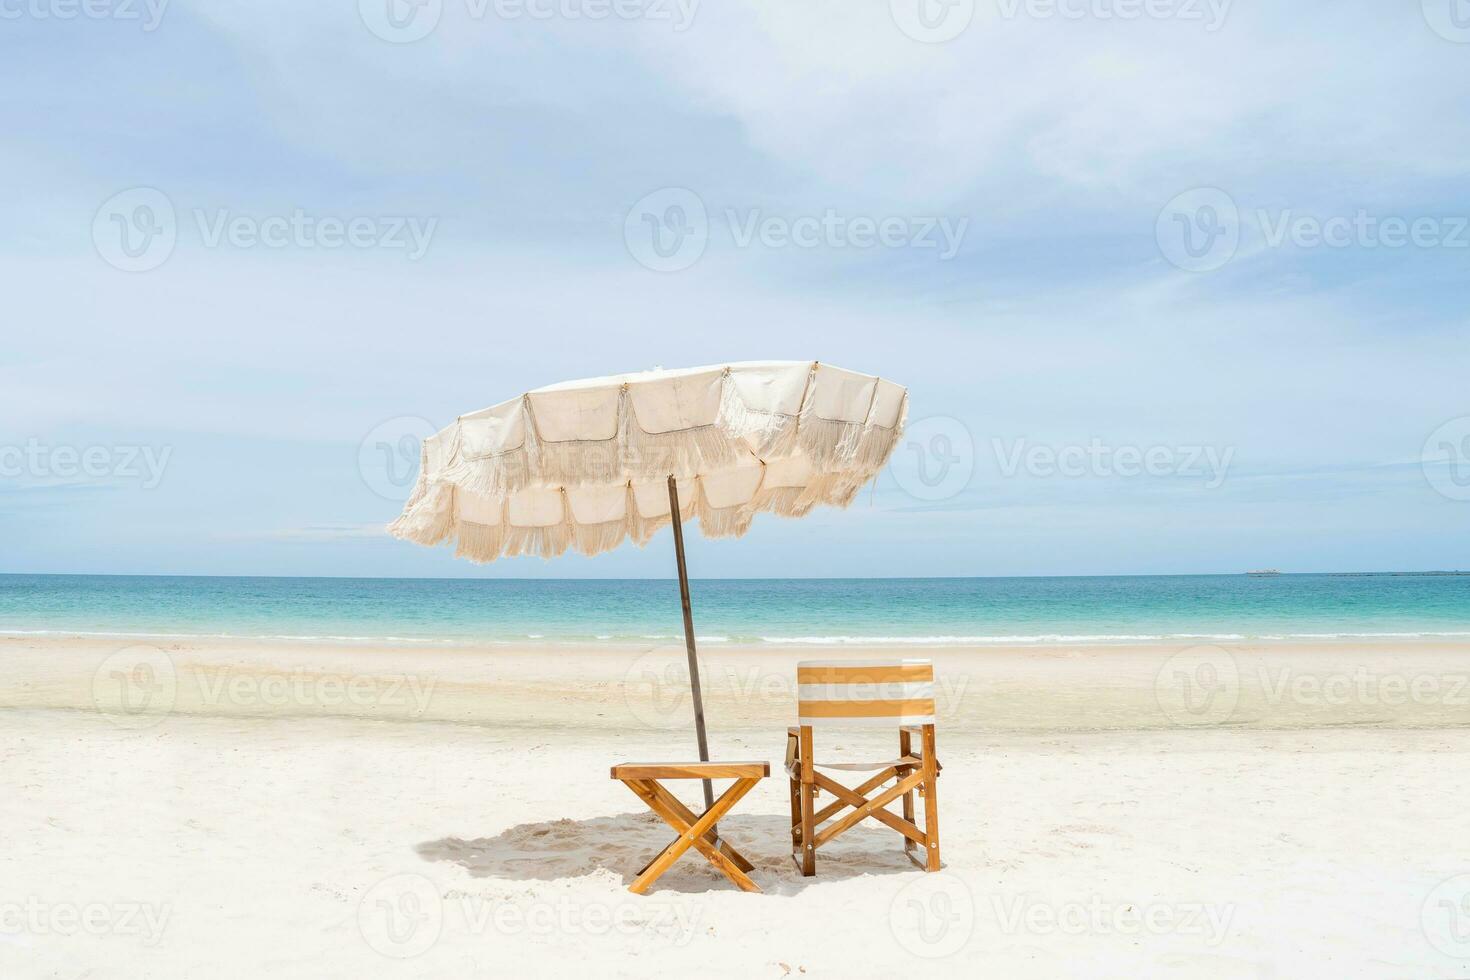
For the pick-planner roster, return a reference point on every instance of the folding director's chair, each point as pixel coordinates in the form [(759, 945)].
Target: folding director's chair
[(844, 693)]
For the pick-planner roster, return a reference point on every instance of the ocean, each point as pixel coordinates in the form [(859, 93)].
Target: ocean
[(1103, 609)]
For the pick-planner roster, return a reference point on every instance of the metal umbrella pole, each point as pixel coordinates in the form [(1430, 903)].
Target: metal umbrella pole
[(709, 796)]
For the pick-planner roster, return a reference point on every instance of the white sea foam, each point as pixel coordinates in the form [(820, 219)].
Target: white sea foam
[(824, 640), (154, 635), (995, 639)]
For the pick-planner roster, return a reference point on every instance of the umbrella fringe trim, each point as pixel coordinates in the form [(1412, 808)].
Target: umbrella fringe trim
[(852, 453), (485, 543)]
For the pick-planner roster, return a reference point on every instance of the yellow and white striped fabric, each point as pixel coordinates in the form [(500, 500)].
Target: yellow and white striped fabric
[(842, 693)]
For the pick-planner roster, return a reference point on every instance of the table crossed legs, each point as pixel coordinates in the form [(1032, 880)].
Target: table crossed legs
[(694, 831)]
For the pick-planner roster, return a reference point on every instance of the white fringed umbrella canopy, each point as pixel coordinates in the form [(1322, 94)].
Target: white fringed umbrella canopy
[(588, 464), (585, 464)]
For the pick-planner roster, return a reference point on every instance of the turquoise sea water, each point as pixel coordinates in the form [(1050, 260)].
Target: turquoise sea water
[(971, 611)]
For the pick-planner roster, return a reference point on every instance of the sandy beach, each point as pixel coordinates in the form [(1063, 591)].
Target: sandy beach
[(180, 808)]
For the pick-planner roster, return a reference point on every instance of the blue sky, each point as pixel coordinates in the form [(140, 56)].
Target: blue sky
[(1226, 239)]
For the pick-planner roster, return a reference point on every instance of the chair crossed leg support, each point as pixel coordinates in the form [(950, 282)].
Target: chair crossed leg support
[(694, 831), (911, 773)]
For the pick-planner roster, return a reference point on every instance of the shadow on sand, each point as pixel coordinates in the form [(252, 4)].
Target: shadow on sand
[(624, 843)]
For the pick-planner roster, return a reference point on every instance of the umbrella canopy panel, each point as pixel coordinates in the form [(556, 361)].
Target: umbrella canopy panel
[(584, 465)]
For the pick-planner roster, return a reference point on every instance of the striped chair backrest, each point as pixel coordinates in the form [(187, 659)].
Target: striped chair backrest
[(841, 693)]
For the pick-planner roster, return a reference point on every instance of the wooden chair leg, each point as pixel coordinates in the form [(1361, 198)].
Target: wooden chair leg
[(792, 743), (808, 835), (808, 805), (905, 747), (795, 815), (931, 800)]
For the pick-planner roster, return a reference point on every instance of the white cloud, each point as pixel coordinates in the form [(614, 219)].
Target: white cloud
[(835, 90)]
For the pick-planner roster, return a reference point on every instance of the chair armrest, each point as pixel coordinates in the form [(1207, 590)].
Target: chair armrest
[(919, 730)]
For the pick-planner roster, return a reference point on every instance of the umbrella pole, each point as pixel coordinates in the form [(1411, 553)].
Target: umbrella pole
[(709, 796)]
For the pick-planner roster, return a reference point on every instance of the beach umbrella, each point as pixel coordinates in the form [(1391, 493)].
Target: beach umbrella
[(586, 465)]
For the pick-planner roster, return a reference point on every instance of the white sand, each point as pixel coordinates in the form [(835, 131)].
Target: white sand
[(301, 811)]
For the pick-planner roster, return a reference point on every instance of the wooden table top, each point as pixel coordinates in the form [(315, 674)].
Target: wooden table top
[(691, 770)]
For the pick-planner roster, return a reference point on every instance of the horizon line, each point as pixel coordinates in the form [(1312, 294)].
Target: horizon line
[(1271, 573)]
